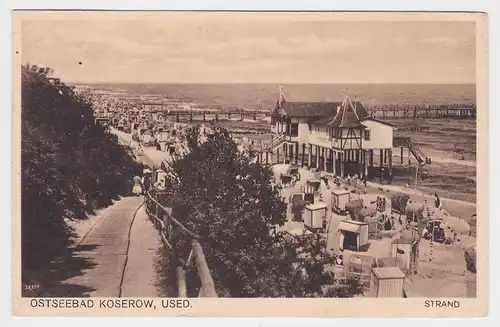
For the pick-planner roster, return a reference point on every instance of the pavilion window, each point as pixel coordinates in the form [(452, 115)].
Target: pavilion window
[(294, 129), (367, 135)]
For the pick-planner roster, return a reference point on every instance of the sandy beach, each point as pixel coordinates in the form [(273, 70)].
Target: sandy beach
[(442, 270)]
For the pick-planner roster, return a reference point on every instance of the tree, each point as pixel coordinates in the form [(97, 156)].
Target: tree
[(217, 192), (70, 166)]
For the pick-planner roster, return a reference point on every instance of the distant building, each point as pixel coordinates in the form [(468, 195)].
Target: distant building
[(337, 137)]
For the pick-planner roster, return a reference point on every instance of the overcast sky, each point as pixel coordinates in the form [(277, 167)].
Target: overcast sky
[(252, 51)]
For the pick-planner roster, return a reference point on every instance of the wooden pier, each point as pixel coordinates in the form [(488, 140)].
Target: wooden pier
[(212, 116), (454, 111), (427, 111)]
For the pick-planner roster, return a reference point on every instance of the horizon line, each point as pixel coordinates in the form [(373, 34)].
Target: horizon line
[(276, 83)]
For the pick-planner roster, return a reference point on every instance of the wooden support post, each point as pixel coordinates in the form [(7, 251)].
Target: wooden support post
[(277, 155), (334, 162), (267, 158), (356, 163), (303, 152), (317, 157), (204, 116), (206, 280), (285, 149), (190, 117), (325, 151), (181, 282), (402, 156), (371, 158), (332, 170), (320, 161), (409, 157), (381, 164), (365, 166), (352, 164), (309, 156), (342, 157), (359, 162), (177, 118), (296, 153), (390, 165)]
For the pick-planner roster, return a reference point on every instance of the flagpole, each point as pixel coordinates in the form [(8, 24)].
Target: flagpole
[(416, 178)]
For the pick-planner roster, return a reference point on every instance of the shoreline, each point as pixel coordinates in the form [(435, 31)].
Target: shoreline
[(457, 208)]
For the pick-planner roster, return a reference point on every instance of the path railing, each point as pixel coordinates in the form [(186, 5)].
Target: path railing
[(170, 229)]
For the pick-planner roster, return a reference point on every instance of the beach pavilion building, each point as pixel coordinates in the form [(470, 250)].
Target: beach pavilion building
[(337, 137)]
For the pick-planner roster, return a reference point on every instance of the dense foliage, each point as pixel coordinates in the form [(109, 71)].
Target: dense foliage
[(69, 165), (217, 192)]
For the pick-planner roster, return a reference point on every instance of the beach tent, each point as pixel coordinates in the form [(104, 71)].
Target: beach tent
[(415, 211), (360, 267), (399, 202), (297, 205), (404, 249), (353, 208), (367, 213), (470, 274), (473, 225), (353, 235), (470, 259)]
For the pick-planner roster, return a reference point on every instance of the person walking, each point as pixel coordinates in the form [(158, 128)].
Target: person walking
[(146, 181), (136, 188)]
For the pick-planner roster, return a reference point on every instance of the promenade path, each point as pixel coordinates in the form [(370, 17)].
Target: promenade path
[(121, 248)]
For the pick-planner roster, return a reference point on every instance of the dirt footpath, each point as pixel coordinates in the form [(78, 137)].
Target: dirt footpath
[(140, 275), (120, 249)]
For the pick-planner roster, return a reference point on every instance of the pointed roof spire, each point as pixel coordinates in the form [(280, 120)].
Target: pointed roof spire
[(278, 109), (281, 96), (347, 116)]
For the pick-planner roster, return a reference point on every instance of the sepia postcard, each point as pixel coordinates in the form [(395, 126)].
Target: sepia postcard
[(250, 164)]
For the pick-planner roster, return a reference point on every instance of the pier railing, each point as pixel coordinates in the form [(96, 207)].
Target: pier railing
[(170, 229), (423, 111)]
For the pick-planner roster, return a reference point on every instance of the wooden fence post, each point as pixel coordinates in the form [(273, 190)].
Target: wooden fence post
[(207, 282), (181, 282)]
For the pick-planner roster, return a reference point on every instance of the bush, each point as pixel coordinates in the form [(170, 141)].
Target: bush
[(70, 165), (219, 194)]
